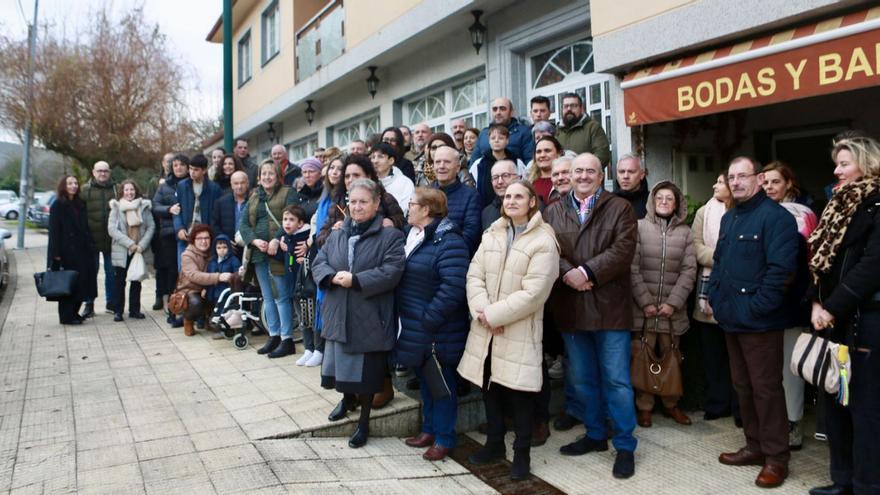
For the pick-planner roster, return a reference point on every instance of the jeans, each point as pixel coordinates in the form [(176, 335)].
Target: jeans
[(573, 405), (278, 310), (109, 277), (599, 363), (439, 416)]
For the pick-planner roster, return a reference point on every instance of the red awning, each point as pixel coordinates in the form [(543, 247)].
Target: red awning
[(830, 56)]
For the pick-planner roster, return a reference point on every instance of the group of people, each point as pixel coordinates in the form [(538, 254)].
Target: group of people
[(490, 257)]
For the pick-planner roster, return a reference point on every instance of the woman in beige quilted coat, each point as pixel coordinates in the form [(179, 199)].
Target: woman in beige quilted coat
[(508, 281), (664, 269)]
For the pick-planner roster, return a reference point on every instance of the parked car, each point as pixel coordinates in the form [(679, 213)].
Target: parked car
[(8, 205), (4, 260), (38, 212)]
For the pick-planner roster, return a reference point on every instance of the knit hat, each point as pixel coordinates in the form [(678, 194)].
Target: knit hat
[(311, 163), (198, 161)]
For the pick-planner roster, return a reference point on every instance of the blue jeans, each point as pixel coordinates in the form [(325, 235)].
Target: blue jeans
[(439, 417), (573, 405), (599, 366), (109, 277), (278, 307), (181, 247)]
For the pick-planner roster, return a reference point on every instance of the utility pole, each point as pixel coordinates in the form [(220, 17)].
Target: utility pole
[(227, 76), (26, 153)]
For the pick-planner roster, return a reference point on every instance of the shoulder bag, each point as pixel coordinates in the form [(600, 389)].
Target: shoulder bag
[(178, 302), (656, 375), (821, 363), (55, 284), (434, 376)]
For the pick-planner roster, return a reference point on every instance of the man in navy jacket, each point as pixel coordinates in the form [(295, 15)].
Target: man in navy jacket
[(227, 210), (196, 197), (521, 141), (462, 201), (755, 264)]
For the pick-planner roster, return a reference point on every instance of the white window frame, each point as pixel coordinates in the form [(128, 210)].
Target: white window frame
[(362, 126), (245, 59), (443, 123), (270, 29), (308, 144)]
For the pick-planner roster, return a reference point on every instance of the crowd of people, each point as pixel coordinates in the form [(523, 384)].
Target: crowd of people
[(497, 258)]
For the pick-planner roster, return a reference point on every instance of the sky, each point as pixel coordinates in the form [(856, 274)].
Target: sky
[(186, 23)]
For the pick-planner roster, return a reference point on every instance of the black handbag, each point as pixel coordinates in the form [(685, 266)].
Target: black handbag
[(55, 284), (434, 377)]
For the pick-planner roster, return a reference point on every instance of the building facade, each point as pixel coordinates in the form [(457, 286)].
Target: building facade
[(703, 81), (292, 55)]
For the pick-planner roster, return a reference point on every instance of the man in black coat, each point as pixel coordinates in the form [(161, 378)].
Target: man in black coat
[(755, 262), (631, 184)]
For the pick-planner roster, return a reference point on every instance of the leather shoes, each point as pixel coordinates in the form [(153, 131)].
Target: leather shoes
[(341, 410), (89, 311), (834, 489), (712, 416), (540, 433), (643, 418), (137, 315), (420, 441), (382, 399), (118, 317), (564, 422), (772, 475), (584, 445), (435, 453), (358, 438), (677, 415), (742, 457)]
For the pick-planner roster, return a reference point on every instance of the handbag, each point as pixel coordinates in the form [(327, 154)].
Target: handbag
[(656, 375), (56, 284), (178, 302), (433, 374), (821, 363), (137, 268)]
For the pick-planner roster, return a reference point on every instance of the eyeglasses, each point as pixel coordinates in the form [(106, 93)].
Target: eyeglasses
[(203, 239), (505, 176), (739, 177), (102, 170), (413, 203)]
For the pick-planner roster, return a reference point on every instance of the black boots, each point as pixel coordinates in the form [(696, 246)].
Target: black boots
[(270, 345), (158, 304), (89, 311), (359, 437), (521, 461), (341, 410), (118, 317), (286, 348), (491, 452), (137, 315)]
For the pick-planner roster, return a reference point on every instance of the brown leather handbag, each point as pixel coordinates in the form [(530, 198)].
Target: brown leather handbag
[(656, 375), (178, 302)]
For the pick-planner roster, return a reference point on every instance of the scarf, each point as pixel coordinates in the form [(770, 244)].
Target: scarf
[(132, 211), (712, 225), (826, 239)]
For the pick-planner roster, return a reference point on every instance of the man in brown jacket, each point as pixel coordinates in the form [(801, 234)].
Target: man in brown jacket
[(597, 235)]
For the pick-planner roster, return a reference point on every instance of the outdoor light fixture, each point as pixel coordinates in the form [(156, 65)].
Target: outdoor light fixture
[(271, 132), (478, 31), (372, 81), (310, 112)]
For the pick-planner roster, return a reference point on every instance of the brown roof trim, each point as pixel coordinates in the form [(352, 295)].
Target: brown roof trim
[(218, 25)]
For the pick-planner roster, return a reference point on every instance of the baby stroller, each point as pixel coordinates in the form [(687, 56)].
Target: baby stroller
[(240, 313)]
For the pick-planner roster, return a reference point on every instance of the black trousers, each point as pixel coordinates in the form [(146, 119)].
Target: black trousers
[(853, 431), (68, 309), (501, 401), (134, 290), (542, 398), (721, 399)]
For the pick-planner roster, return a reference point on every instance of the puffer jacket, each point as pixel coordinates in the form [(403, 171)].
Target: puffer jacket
[(97, 197), (604, 246), (431, 297), (118, 230), (464, 210), (509, 285), (664, 267), (165, 198), (194, 274)]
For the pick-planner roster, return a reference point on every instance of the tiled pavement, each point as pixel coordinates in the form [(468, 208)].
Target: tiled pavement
[(139, 408)]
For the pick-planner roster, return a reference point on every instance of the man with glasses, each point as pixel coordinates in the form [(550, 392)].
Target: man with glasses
[(597, 233), (579, 133), (521, 143), (755, 262), (97, 195), (503, 174)]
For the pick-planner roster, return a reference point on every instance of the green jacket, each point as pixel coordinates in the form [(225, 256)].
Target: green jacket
[(256, 223), (586, 136), (97, 198)]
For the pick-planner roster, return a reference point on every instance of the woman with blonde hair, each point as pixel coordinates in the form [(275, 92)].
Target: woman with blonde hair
[(509, 279), (845, 295)]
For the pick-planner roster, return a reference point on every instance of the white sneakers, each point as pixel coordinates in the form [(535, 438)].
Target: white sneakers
[(316, 359), (304, 358), (310, 359)]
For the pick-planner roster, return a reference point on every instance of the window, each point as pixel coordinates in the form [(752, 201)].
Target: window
[(271, 32), (555, 65), (245, 68), (321, 41), (304, 148), (361, 129), (465, 100)]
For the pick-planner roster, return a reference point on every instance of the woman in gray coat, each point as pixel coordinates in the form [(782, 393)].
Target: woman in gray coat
[(663, 273), (359, 267), (131, 229)]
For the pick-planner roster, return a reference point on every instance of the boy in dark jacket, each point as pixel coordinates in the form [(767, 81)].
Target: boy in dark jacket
[(224, 261)]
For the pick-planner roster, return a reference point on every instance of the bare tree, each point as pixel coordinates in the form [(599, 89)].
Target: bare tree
[(114, 93)]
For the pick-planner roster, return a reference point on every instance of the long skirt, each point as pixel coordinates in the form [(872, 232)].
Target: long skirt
[(353, 372)]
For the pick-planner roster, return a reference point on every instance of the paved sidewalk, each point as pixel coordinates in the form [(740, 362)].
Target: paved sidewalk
[(136, 407)]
